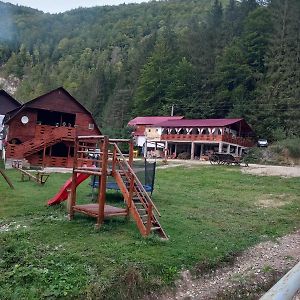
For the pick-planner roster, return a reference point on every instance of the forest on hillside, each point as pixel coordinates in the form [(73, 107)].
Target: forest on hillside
[(207, 58)]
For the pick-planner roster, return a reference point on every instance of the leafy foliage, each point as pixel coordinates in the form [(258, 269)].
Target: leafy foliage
[(205, 58)]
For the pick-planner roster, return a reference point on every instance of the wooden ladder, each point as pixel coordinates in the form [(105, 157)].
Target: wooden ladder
[(138, 201)]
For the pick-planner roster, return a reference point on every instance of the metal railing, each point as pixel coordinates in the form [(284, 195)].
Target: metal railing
[(287, 287)]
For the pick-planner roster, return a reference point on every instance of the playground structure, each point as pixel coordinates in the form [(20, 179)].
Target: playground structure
[(102, 157)]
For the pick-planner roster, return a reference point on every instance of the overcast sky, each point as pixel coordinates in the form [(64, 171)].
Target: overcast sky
[(56, 6)]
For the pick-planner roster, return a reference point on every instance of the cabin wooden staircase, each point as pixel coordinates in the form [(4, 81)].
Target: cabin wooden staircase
[(45, 138), (139, 203)]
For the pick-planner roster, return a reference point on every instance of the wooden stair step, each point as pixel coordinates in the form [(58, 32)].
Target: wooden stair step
[(155, 228)]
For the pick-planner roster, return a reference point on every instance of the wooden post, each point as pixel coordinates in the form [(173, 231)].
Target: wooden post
[(130, 153), (114, 161), (44, 154), (7, 179), (102, 183), (74, 178)]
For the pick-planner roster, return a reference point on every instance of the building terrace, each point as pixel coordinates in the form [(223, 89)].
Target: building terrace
[(198, 137)]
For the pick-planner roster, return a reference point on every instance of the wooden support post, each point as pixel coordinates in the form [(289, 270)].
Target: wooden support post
[(131, 147), (73, 186), (102, 183), (7, 179), (44, 154)]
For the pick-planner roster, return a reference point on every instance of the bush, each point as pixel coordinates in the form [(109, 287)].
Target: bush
[(293, 147)]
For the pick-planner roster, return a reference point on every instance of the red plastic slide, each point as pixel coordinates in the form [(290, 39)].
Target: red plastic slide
[(62, 194)]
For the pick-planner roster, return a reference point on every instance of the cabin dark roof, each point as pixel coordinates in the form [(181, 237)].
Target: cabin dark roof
[(34, 104), (152, 120), (7, 102)]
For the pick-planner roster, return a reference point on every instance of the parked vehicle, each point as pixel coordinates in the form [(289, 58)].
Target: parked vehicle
[(262, 143)]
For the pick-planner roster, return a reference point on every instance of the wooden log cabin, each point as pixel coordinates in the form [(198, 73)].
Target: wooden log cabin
[(199, 137), (42, 131)]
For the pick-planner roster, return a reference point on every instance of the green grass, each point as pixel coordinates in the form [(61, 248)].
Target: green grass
[(210, 214)]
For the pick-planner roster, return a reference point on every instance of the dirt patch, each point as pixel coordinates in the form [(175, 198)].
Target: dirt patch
[(252, 273), (265, 170), (273, 200)]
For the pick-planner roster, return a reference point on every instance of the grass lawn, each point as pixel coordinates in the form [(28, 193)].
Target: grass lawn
[(210, 213)]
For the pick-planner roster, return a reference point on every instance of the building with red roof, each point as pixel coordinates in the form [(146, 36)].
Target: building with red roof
[(139, 124), (198, 137)]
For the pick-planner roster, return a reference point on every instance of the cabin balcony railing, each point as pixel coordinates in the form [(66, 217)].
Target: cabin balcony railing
[(44, 130), (241, 141)]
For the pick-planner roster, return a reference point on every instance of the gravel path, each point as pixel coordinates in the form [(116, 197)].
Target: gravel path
[(258, 267)]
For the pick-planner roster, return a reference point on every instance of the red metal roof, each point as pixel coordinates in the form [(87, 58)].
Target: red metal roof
[(152, 120), (198, 123)]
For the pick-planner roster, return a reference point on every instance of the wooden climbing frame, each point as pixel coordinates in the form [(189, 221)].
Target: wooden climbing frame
[(102, 157)]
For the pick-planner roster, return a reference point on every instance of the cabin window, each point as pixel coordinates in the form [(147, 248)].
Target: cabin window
[(165, 131), (183, 131), (15, 141), (173, 131), (91, 126)]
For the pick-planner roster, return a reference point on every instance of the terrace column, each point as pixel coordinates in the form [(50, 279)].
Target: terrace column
[(237, 150), (175, 150), (166, 149), (241, 151), (220, 147), (145, 149), (228, 148), (192, 150), (201, 149)]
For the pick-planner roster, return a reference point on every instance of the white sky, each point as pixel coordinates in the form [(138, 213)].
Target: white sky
[(56, 6)]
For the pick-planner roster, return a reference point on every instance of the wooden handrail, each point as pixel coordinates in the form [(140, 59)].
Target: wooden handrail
[(90, 137), (139, 184), (112, 141)]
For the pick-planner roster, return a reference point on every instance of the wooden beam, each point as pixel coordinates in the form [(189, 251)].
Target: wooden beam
[(102, 182), (7, 179)]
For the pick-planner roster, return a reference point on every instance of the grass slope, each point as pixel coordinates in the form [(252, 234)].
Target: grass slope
[(210, 213)]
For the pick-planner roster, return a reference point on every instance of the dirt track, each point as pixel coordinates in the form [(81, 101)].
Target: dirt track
[(256, 268)]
